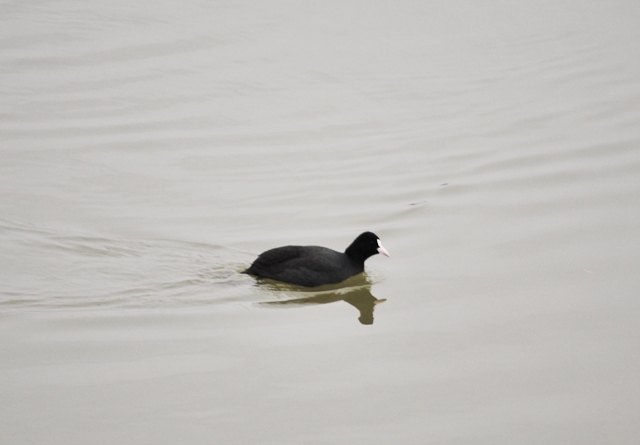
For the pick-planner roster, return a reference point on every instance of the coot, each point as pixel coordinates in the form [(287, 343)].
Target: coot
[(313, 266)]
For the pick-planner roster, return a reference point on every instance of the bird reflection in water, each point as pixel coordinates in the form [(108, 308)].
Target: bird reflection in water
[(358, 296)]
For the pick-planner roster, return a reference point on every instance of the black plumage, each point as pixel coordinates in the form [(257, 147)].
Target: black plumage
[(313, 266)]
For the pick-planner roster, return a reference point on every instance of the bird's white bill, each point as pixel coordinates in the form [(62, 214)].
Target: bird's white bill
[(382, 250)]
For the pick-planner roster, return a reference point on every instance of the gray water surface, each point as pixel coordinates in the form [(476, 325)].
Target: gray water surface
[(149, 152)]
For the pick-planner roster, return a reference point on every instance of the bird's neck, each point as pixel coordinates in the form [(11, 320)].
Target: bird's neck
[(355, 254)]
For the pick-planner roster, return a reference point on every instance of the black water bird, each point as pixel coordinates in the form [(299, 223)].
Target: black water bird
[(313, 266)]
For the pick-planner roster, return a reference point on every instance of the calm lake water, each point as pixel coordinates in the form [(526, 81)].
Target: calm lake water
[(149, 151)]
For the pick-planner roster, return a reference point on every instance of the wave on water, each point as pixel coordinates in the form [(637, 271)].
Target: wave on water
[(45, 268)]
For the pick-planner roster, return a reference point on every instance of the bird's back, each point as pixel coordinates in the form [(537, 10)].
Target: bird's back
[(304, 265)]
